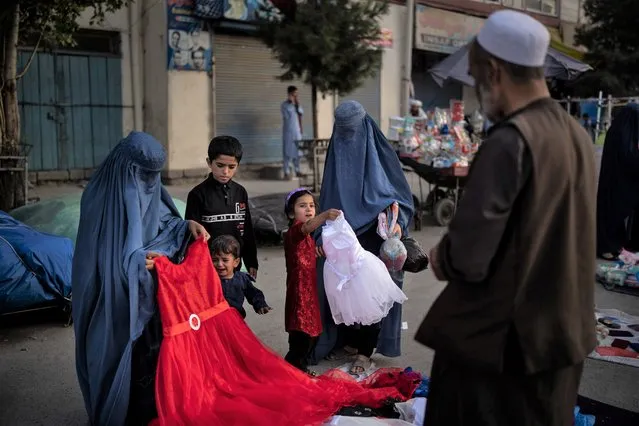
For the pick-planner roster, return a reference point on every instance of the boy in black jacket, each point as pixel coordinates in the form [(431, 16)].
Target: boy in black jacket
[(220, 204)]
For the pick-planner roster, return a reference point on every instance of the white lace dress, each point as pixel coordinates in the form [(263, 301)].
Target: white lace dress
[(358, 286)]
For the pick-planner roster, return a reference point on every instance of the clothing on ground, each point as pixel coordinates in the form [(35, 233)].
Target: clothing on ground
[(526, 218), (125, 213), (291, 133), (241, 287), (617, 195), (223, 209), (214, 371), (301, 312)]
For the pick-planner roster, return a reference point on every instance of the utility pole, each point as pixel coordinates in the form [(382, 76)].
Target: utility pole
[(408, 56)]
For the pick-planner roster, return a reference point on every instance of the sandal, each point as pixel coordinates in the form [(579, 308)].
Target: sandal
[(341, 353), (360, 365)]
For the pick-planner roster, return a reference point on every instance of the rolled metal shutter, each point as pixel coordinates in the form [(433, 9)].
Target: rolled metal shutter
[(249, 95), (369, 95)]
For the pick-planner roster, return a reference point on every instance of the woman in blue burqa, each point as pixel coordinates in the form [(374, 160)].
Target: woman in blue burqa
[(126, 219), (618, 191), (362, 177)]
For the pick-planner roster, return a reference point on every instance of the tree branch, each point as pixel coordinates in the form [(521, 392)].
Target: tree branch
[(33, 53)]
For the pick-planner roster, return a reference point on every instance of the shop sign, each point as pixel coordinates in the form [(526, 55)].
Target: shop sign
[(385, 40), (442, 31)]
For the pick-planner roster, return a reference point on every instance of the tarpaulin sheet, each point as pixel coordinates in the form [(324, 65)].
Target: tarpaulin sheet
[(35, 268), (60, 216)]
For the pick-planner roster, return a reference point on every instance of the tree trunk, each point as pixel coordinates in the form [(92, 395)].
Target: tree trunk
[(314, 110), (11, 181)]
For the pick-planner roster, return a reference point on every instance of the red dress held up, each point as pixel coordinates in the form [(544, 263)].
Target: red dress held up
[(213, 370), (302, 302)]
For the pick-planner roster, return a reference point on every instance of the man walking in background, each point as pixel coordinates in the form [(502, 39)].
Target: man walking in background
[(516, 321), (292, 113)]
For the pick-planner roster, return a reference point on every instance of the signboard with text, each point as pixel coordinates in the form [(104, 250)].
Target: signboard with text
[(438, 30)]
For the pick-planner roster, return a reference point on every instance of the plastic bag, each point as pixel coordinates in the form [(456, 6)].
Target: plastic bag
[(393, 253), (416, 257)]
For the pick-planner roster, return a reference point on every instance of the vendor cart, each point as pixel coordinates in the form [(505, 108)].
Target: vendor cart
[(445, 187)]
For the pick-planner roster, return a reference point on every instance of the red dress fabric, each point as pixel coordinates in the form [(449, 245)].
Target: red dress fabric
[(212, 370), (302, 310)]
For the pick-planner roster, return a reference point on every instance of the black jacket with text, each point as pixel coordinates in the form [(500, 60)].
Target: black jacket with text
[(223, 209)]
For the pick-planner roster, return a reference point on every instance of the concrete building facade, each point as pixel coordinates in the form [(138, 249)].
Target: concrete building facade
[(76, 104)]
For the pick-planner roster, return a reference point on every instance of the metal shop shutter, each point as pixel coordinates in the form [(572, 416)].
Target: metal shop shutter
[(249, 95), (369, 95)]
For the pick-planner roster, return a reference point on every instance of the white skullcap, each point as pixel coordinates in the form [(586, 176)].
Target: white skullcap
[(516, 38), (416, 103)]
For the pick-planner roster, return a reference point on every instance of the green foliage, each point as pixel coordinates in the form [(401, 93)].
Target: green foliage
[(55, 20), (612, 40), (326, 43)]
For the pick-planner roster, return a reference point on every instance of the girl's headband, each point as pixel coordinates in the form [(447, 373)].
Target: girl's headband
[(293, 192)]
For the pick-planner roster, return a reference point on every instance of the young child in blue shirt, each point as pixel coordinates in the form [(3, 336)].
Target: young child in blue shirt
[(237, 286)]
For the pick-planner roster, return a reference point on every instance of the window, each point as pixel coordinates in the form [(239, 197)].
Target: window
[(548, 7)]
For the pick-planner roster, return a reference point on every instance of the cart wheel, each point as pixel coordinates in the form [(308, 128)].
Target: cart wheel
[(444, 211)]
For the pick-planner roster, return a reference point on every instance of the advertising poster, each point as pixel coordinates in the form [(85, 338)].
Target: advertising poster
[(189, 47)]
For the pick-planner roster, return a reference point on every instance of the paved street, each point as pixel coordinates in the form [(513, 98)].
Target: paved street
[(37, 372)]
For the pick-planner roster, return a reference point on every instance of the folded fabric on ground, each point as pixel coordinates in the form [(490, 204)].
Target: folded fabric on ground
[(618, 336), (35, 268)]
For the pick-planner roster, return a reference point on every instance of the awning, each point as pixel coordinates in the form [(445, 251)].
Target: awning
[(455, 67), (557, 44)]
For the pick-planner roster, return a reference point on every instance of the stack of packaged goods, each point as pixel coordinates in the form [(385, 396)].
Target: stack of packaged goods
[(440, 139)]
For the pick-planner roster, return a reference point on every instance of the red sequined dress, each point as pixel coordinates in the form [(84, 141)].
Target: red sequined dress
[(302, 311), (212, 370)]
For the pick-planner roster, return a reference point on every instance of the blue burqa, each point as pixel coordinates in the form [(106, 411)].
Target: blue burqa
[(125, 213), (362, 177)]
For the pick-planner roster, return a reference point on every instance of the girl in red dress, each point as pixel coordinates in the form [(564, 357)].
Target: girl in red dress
[(302, 315)]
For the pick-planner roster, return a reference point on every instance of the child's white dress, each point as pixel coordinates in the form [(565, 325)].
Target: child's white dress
[(358, 286)]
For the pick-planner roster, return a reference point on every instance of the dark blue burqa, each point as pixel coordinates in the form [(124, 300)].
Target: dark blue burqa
[(362, 177), (125, 213), (618, 191)]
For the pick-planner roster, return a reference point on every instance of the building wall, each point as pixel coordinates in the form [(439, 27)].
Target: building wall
[(393, 65), (569, 10), (177, 108)]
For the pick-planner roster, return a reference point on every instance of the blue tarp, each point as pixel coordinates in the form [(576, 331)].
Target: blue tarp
[(35, 268)]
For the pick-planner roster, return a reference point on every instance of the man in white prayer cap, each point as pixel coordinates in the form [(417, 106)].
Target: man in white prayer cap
[(416, 109), (514, 324)]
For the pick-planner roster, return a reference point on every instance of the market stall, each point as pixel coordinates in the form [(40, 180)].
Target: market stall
[(439, 149)]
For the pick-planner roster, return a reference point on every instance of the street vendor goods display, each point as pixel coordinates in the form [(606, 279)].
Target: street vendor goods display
[(213, 370), (441, 139), (621, 276), (617, 336), (358, 287)]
